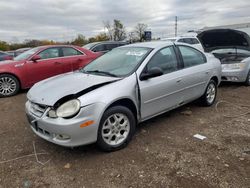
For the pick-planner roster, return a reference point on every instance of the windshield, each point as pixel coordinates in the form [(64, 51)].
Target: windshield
[(27, 54), (118, 62), (90, 45)]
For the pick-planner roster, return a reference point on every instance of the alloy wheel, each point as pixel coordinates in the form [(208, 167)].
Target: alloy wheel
[(115, 129), (7, 86), (211, 93)]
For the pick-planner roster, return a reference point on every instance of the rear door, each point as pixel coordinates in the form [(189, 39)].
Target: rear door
[(195, 72), (161, 93), (49, 65), (73, 59)]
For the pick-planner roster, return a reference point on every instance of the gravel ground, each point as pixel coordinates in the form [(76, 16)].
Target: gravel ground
[(163, 153)]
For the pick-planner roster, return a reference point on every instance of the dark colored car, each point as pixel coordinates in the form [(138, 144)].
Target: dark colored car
[(5, 56), (17, 52), (40, 63), (104, 46)]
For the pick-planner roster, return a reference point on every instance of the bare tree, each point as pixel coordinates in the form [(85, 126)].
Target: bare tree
[(119, 31), (140, 28), (116, 31), (108, 26)]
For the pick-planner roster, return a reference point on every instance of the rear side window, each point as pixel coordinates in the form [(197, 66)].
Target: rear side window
[(191, 56), (164, 59), (70, 52), (50, 53)]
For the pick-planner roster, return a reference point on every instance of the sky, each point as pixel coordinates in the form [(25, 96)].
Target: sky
[(62, 20)]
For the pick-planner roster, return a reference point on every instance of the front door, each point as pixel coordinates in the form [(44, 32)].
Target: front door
[(161, 93), (49, 65)]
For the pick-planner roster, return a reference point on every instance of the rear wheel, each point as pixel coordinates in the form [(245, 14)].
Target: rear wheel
[(116, 128), (248, 79), (9, 85), (209, 96)]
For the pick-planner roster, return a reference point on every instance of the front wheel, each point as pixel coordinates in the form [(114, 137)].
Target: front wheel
[(116, 128), (209, 96), (9, 85)]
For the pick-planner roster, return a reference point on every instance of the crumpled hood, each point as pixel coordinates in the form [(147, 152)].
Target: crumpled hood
[(49, 91), (224, 38)]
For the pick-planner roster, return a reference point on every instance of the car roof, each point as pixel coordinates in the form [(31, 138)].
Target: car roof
[(153, 44), (109, 42)]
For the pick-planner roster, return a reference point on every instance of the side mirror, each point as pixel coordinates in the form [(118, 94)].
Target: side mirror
[(35, 58), (154, 72)]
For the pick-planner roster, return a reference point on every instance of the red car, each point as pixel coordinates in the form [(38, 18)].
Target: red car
[(40, 63)]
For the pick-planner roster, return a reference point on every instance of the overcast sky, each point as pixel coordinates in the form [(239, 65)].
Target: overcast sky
[(62, 20)]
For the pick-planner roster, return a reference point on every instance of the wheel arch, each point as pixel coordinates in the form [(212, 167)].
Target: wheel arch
[(126, 102), (216, 79), (12, 74)]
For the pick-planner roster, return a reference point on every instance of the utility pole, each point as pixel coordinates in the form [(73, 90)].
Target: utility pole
[(176, 20)]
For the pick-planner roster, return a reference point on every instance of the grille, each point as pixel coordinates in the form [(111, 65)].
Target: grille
[(37, 109)]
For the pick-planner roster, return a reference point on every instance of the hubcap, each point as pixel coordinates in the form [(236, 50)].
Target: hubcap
[(249, 78), (211, 92), (7, 86), (115, 129)]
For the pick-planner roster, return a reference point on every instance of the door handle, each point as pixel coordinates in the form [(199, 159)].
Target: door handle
[(178, 81), (57, 63), (207, 72)]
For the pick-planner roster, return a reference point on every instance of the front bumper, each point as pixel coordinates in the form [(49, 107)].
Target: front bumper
[(234, 75), (50, 129)]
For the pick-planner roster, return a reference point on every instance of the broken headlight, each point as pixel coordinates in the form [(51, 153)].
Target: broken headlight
[(66, 110)]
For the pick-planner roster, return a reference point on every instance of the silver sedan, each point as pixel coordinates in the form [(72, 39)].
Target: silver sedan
[(104, 101)]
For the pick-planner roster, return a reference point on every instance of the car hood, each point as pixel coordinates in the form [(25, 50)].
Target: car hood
[(70, 85), (224, 38)]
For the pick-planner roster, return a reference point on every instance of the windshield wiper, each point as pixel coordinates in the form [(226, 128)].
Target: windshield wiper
[(101, 72)]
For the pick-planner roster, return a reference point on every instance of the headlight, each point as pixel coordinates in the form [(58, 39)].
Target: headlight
[(68, 109), (233, 66)]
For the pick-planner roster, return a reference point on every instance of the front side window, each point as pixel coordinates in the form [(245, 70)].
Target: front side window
[(70, 52), (111, 46), (50, 53), (195, 41), (188, 41), (191, 56), (164, 59), (118, 62), (99, 48)]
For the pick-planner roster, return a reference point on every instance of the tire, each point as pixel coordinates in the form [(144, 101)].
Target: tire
[(112, 126), (9, 85), (248, 79), (210, 94)]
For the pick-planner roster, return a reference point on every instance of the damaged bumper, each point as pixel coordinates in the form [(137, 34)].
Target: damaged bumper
[(234, 75), (66, 132)]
